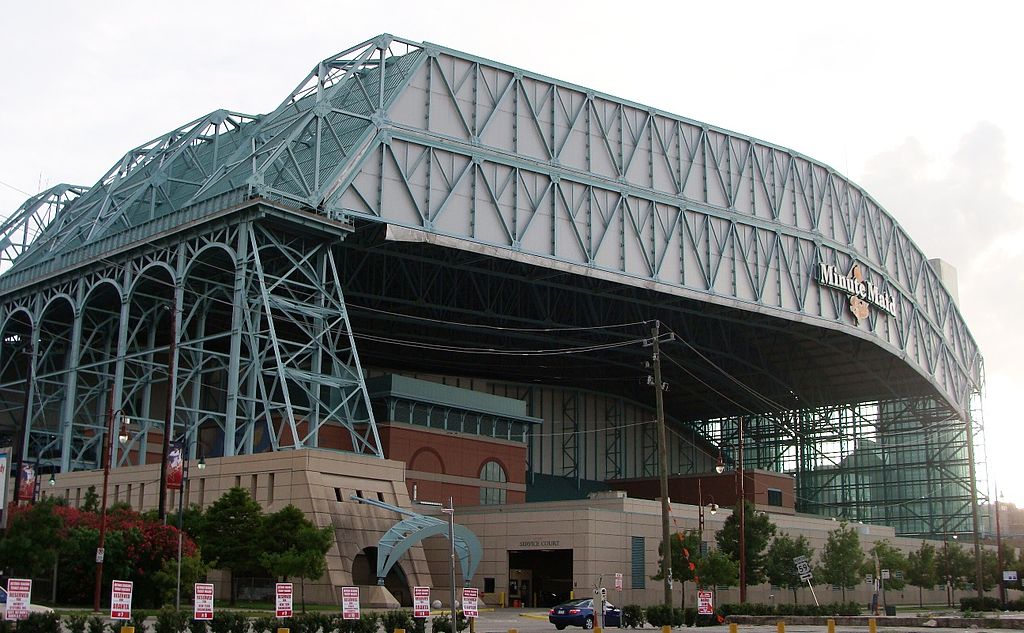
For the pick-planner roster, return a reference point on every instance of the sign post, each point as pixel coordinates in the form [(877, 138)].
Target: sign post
[(470, 596), (121, 600), (283, 600), (705, 602), (350, 603), (803, 570), (421, 602), (19, 597), (203, 609)]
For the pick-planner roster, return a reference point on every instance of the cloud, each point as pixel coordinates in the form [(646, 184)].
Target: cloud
[(959, 207)]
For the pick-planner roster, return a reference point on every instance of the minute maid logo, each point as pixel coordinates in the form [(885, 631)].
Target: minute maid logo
[(862, 292)]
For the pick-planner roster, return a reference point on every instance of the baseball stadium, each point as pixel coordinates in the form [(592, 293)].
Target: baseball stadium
[(430, 278)]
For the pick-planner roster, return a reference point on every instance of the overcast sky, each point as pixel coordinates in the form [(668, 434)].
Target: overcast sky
[(918, 102)]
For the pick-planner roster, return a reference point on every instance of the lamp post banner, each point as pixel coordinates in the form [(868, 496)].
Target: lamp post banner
[(421, 602), (175, 465), (121, 600), (19, 597), (27, 487), (283, 600), (3, 480), (470, 596), (350, 603), (618, 581), (203, 609)]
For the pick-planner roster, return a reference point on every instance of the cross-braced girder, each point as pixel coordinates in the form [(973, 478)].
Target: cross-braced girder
[(264, 353)]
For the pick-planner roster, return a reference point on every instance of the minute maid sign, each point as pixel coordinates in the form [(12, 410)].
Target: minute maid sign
[(862, 292)]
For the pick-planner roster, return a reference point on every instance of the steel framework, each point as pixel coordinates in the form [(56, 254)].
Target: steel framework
[(404, 193)]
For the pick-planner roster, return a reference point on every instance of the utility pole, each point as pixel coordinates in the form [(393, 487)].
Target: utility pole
[(666, 543), (742, 521), (169, 410)]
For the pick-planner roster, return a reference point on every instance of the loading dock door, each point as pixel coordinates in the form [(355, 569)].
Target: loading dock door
[(539, 578)]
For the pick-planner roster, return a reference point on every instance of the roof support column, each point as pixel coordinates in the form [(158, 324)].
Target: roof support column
[(237, 310)]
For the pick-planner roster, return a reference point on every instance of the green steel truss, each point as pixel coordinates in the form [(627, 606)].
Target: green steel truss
[(265, 358), (467, 191)]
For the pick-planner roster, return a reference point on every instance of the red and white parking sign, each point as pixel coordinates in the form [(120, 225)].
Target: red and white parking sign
[(203, 609), (283, 600), (121, 600), (350, 603), (470, 595), (421, 602), (705, 603), (19, 596)]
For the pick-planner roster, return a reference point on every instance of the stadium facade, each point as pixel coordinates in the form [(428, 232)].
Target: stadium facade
[(427, 275)]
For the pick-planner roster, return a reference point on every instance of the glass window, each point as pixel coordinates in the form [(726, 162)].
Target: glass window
[(492, 471), (774, 497)]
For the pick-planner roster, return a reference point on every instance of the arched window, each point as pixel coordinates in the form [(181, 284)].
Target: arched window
[(493, 472)]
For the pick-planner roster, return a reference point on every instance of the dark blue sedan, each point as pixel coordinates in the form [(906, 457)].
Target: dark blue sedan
[(581, 613)]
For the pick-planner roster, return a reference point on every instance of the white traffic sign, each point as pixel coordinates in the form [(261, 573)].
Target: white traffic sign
[(885, 574), (283, 600), (350, 603), (1009, 575), (803, 568), (99, 554), (705, 602), (203, 609), (121, 600), (421, 602), (470, 595), (19, 597), (618, 581)]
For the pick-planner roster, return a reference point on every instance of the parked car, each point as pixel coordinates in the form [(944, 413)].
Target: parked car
[(581, 613), (34, 608)]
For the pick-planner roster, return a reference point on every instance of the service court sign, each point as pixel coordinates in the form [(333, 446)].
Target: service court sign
[(121, 600), (203, 609), (350, 603), (283, 599), (421, 602), (19, 596)]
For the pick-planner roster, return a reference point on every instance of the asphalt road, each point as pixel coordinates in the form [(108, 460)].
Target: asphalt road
[(536, 621)]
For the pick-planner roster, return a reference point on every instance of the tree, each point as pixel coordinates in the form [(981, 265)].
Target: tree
[(758, 532), (779, 566), (685, 555), (293, 546), (91, 502), (842, 558), (717, 569), (226, 536), (888, 558), (922, 570), (955, 566), (29, 547)]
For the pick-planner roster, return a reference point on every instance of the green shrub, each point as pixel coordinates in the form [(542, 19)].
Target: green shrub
[(265, 624), (396, 619), (633, 616), (443, 623), (95, 624), (659, 615), (170, 620), (40, 623), (139, 620), (689, 616), (199, 626), (75, 623), (367, 623), (6, 626), (984, 603)]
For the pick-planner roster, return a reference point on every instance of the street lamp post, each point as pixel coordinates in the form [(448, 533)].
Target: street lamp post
[(450, 511), (201, 464), (999, 553), (949, 569), (122, 436), (712, 507)]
